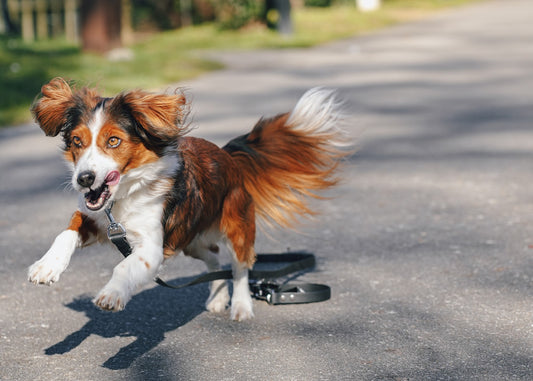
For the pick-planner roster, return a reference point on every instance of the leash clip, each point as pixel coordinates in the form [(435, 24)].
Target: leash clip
[(117, 233), (263, 290), (115, 230)]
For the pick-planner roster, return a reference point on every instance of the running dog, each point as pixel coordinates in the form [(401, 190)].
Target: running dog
[(177, 193)]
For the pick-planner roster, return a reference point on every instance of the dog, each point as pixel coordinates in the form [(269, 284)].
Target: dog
[(176, 193)]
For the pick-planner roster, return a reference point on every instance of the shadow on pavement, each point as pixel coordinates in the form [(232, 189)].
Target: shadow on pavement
[(148, 316)]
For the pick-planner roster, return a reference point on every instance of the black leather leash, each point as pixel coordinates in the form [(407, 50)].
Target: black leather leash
[(262, 282)]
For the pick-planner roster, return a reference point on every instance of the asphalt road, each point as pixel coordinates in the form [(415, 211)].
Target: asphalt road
[(427, 245)]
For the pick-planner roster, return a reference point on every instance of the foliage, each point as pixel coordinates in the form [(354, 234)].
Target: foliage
[(24, 68), (317, 3), (234, 14), (172, 56)]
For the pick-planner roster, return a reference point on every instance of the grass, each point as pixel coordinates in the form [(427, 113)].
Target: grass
[(170, 57)]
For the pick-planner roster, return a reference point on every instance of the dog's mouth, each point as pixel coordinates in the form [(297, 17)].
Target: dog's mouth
[(95, 199)]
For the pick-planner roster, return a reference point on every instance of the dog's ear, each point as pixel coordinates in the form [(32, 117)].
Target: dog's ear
[(50, 111), (159, 117), (62, 106)]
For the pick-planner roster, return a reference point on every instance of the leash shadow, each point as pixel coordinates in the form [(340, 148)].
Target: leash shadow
[(147, 317)]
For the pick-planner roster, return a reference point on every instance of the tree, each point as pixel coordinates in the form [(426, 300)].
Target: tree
[(9, 27), (100, 25)]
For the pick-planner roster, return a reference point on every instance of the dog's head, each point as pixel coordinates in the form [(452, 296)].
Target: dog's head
[(106, 138)]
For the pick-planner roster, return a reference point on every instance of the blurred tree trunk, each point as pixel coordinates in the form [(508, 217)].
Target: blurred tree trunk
[(185, 12), (100, 25), (9, 27), (28, 31), (71, 21), (126, 33), (42, 19)]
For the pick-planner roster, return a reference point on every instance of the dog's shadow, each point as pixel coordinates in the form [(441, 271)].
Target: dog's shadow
[(148, 316)]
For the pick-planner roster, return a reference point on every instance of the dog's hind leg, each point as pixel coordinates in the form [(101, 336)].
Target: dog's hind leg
[(238, 222), (218, 289), (241, 300)]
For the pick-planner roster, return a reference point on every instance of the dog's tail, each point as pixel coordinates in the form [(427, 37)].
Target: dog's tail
[(288, 158)]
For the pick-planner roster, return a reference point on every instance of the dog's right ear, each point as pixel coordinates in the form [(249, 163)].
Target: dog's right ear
[(50, 111)]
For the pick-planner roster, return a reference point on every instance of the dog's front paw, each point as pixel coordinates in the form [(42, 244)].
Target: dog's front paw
[(111, 299), (241, 309), (47, 270)]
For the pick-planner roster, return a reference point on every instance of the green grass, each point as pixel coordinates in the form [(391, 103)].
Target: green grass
[(170, 57)]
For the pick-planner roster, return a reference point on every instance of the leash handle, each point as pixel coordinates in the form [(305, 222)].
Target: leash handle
[(290, 293)]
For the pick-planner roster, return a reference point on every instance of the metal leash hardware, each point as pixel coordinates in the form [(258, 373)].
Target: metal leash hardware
[(263, 286), (290, 293), (117, 234), (262, 290)]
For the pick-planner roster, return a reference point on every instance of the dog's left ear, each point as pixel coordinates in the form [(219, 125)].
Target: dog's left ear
[(159, 117)]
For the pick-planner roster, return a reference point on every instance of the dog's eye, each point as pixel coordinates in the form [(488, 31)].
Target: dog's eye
[(77, 141), (113, 142)]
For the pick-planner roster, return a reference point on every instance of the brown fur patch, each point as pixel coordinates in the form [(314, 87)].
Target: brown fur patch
[(238, 222), (53, 110), (128, 154), (159, 117), (146, 264), (73, 153), (158, 113), (50, 110), (282, 167), (207, 182), (84, 225)]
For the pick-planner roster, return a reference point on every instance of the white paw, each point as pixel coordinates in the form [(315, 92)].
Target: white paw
[(218, 299), (241, 309), (111, 299), (47, 270)]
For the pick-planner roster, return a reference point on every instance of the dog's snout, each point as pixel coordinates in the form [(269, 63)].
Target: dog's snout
[(86, 178)]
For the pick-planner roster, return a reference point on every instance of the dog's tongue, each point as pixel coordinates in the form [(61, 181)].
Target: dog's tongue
[(112, 178)]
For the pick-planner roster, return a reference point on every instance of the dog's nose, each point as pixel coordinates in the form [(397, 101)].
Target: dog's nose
[(86, 178)]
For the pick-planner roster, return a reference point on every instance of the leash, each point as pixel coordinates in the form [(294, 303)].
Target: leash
[(262, 283), (117, 234)]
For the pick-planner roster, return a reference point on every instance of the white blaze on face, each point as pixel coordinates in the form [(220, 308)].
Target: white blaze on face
[(93, 159), (101, 167)]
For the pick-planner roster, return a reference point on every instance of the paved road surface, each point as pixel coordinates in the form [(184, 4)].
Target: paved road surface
[(428, 245)]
